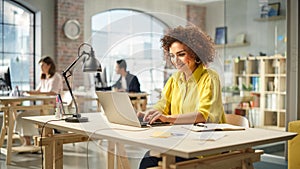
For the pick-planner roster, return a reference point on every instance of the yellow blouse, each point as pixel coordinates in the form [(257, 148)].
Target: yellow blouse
[(201, 93)]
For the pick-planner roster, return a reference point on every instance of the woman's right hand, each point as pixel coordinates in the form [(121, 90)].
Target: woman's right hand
[(153, 115), (140, 114)]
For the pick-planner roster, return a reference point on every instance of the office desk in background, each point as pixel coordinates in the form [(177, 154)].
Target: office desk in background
[(181, 143), (10, 106), (85, 100), (138, 100)]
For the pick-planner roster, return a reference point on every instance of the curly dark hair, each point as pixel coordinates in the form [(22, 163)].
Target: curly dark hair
[(199, 44)]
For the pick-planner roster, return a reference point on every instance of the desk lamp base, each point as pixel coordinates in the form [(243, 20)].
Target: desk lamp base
[(76, 118)]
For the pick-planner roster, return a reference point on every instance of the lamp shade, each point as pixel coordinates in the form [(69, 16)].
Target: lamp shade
[(91, 64)]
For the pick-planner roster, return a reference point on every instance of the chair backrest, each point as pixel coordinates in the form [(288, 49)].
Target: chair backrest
[(237, 120)]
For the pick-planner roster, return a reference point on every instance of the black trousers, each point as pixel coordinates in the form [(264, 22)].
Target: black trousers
[(150, 161)]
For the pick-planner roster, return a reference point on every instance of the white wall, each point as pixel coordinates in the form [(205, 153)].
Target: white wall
[(45, 23), (240, 18), (214, 17)]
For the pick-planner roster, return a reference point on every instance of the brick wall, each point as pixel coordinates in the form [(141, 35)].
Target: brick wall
[(197, 15), (65, 48)]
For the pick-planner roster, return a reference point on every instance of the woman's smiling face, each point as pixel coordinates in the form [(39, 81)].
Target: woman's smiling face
[(181, 59)]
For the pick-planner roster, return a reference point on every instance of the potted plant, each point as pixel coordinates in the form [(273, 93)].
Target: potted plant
[(231, 90), (246, 90)]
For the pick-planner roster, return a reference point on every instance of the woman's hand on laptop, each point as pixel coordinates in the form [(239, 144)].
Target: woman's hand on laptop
[(153, 115), (141, 115)]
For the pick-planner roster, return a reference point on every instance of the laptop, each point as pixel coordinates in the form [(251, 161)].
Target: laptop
[(118, 109)]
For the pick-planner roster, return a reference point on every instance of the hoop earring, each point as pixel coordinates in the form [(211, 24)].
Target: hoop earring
[(197, 61)]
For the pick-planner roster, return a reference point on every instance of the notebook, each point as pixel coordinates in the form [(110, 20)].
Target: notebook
[(118, 109)]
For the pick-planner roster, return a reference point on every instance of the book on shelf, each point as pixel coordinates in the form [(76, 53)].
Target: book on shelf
[(256, 84), (271, 101)]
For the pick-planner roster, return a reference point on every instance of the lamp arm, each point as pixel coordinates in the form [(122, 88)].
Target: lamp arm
[(64, 74), (73, 63), (71, 93)]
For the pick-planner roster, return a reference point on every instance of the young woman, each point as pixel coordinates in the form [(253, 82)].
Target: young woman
[(193, 94), (51, 83)]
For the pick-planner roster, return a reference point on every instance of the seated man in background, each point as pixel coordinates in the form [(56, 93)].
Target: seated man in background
[(127, 82)]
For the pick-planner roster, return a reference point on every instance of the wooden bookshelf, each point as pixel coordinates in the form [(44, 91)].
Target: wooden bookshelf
[(267, 75)]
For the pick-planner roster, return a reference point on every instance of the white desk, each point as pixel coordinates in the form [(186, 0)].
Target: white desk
[(10, 107), (187, 145)]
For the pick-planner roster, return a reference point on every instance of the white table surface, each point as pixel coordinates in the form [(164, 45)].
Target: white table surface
[(182, 142)]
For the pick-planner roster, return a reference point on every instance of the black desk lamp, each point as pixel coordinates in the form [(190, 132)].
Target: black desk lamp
[(90, 64)]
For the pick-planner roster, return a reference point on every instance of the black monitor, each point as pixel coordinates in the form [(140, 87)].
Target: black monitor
[(101, 81), (5, 81)]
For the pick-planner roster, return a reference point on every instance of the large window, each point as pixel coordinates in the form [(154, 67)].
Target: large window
[(16, 45), (135, 37)]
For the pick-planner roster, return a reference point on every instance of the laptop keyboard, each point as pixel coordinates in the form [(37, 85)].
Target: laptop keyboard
[(157, 123)]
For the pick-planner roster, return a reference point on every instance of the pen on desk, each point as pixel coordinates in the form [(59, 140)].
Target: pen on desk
[(204, 129), (200, 125)]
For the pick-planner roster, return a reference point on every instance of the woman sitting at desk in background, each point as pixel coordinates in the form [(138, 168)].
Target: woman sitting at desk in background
[(193, 94), (51, 83), (127, 82)]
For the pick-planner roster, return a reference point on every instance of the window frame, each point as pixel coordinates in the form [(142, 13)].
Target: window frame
[(131, 61), (24, 84)]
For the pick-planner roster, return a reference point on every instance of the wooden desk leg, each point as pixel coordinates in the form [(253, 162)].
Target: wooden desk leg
[(58, 151), (167, 160), (9, 137), (110, 155), (122, 160), (118, 150), (3, 129), (49, 156), (247, 164), (138, 101)]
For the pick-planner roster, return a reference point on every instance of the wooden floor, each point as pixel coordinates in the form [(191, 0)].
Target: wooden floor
[(75, 157)]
